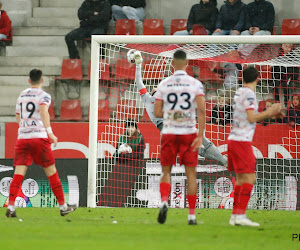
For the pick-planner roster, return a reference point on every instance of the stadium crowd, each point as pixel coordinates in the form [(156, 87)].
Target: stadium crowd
[(233, 18)]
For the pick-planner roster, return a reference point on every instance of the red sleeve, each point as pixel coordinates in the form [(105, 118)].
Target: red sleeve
[(6, 24)]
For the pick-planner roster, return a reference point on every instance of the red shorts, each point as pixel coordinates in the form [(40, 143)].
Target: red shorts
[(37, 150), (171, 145), (241, 158)]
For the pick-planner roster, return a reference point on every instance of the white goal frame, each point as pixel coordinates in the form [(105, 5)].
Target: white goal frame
[(96, 40)]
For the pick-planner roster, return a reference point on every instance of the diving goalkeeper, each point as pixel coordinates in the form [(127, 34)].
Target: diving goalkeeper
[(208, 151)]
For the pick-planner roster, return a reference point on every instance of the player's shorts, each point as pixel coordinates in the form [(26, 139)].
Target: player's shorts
[(173, 145), (36, 149), (241, 158)]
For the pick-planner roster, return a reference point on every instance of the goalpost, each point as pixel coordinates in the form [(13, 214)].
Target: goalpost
[(217, 61)]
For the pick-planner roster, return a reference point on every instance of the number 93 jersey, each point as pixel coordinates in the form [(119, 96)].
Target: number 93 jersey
[(178, 93), (28, 107)]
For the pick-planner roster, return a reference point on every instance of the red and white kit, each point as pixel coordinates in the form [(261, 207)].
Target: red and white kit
[(33, 142), (178, 93), (241, 158)]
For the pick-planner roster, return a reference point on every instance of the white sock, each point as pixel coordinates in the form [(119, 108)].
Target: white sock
[(191, 217), (63, 207), (164, 203), (240, 216), (11, 207)]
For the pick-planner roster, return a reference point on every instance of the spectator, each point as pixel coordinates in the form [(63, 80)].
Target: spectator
[(231, 21), (205, 13), (283, 76), (259, 21), (94, 16), (293, 117), (231, 18), (129, 158), (222, 112), (265, 122), (5, 24), (128, 9)]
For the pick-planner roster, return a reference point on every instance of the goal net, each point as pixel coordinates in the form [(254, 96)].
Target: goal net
[(124, 144)]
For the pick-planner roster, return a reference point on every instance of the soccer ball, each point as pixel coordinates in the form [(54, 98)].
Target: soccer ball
[(130, 55)]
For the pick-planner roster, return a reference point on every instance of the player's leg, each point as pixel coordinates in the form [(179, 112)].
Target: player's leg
[(191, 175), (43, 156), (57, 190), (168, 156), (245, 181), (211, 152), (165, 188), (15, 186)]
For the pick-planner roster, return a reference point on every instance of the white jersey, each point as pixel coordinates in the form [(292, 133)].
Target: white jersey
[(242, 129), (28, 107), (178, 93)]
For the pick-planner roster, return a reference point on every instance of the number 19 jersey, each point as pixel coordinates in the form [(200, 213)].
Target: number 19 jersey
[(28, 107), (178, 93), (242, 129)]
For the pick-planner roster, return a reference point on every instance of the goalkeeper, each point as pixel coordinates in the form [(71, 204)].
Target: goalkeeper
[(208, 151)]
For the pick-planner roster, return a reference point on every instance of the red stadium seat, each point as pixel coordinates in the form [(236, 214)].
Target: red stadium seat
[(103, 111), (51, 111), (261, 105), (70, 110), (205, 72), (178, 25), (71, 69), (153, 27), (190, 70), (126, 109), (154, 69), (290, 27), (125, 70), (125, 27), (265, 72), (103, 70), (199, 30)]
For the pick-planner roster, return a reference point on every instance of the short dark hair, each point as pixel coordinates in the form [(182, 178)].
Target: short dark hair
[(130, 123), (179, 55), (250, 74), (35, 76)]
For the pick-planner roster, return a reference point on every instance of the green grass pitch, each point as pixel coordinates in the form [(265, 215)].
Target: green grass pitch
[(136, 228)]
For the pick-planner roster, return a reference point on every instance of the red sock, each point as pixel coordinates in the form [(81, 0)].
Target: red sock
[(57, 189), (165, 189), (236, 201), (244, 197), (14, 188), (192, 203)]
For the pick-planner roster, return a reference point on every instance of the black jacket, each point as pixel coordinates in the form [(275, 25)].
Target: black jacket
[(232, 16), (293, 115), (131, 3), (87, 17), (204, 14), (260, 14), (224, 114)]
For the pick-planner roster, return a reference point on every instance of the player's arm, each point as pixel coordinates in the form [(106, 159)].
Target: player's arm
[(201, 122), (46, 121), (138, 75), (158, 108), (18, 118), (274, 110)]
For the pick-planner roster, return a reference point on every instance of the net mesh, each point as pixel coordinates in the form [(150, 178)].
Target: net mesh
[(132, 179)]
